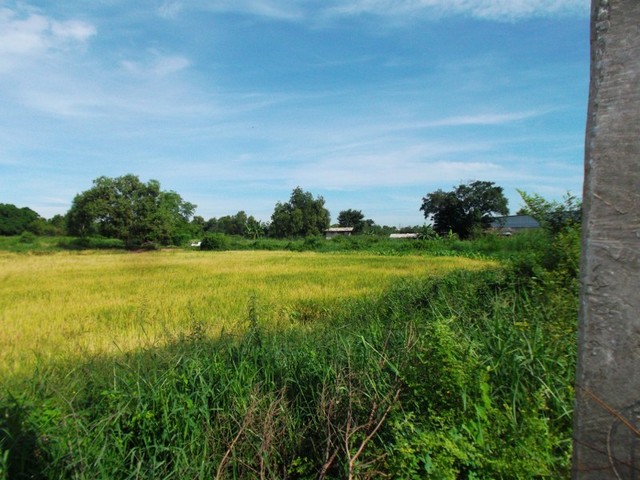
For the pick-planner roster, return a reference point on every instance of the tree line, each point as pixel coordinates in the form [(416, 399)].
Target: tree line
[(138, 213)]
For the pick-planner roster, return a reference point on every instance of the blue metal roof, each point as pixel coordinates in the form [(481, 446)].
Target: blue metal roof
[(515, 222)]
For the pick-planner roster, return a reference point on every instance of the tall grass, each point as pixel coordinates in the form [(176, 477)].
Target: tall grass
[(466, 376), (462, 375)]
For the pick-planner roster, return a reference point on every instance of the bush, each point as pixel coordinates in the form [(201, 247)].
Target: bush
[(27, 237), (215, 241), (312, 243), (180, 239)]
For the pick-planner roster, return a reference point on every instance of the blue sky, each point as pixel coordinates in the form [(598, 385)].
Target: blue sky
[(232, 103)]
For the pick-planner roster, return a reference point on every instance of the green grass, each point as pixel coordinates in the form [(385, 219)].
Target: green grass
[(490, 245), (461, 375)]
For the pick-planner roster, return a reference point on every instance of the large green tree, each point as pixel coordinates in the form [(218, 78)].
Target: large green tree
[(14, 220), (301, 216), (131, 210), (465, 208), (352, 218)]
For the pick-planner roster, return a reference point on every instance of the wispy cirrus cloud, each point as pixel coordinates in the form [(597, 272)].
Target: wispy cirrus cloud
[(157, 64), (26, 35), (484, 119), (500, 10), (272, 9), (313, 10)]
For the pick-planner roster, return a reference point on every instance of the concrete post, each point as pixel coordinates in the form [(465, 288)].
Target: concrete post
[(607, 415)]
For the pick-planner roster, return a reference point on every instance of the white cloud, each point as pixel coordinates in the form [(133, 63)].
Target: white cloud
[(75, 30), (27, 36), (500, 10), (22, 36), (483, 119), (274, 9), (158, 65), (318, 10), (170, 9), (416, 164)]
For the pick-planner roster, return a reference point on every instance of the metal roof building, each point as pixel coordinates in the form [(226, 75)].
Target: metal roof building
[(337, 231), (512, 223)]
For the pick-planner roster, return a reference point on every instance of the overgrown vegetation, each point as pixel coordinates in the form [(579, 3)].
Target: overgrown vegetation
[(464, 376)]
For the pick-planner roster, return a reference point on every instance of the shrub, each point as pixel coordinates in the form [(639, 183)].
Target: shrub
[(312, 243), (180, 239), (27, 237), (215, 241)]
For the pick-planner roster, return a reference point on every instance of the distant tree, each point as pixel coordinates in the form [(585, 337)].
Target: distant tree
[(371, 228), (554, 216), (239, 224), (172, 219), (255, 228), (467, 207), (233, 224), (58, 224), (352, 218), (211, 225), (197, 225), (301, 216), (14, 220), (130, 210), (426, 232)]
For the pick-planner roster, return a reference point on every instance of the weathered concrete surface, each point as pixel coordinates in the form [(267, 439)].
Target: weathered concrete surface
[(607, 416)]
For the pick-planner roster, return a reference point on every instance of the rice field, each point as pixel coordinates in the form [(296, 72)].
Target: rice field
[(67, 305)]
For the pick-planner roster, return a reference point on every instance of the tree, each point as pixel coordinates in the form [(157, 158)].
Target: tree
[(467, 207), (128, 209), (352, 218), (255, 228), (238, 224), (233, 224), (58, 224), (301, 216), (14, 220), (552, 215), (197, 225)]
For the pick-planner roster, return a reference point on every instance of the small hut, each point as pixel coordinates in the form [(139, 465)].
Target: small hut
[(333, 232)]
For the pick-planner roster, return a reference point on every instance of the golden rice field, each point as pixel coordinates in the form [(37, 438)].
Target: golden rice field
[(68, 304)]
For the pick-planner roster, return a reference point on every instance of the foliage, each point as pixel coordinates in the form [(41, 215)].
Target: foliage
[(301, 216), (554, 216), (469, 206), (426, 232), (464, 376), (352, 218), (14, 220), (130, 210), (91, 243), (239, 224), (27, 237), (215, 241), (24, 452)]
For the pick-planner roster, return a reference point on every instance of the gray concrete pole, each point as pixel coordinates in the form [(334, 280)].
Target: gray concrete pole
[(607, 409)]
